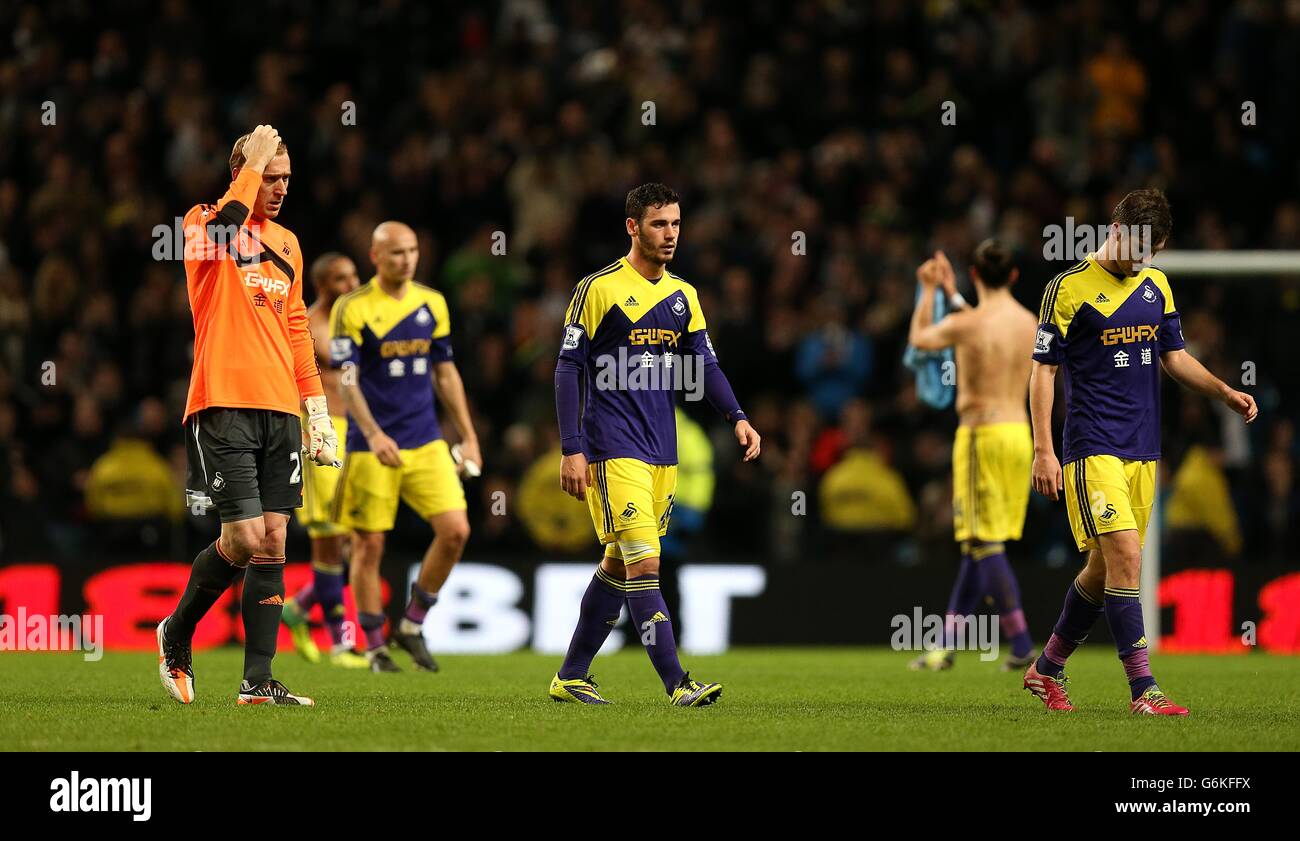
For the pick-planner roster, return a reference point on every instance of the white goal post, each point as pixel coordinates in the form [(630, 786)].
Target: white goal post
[(1198, 264)]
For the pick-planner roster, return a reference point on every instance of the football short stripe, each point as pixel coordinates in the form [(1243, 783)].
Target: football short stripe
[(602, 488), (972, 485), (1081, 490)]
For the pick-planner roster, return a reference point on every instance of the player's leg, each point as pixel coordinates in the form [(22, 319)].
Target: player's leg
[(296, 610), (263, 599), (431, 486), (329, 575), (1004, 457), (279, 469), (966, 589), (638, 531), (598, 612), (1122, 550), (367, 552), (222, 474), (1083, 599), (329, 542), (366, 503), (966, 593)]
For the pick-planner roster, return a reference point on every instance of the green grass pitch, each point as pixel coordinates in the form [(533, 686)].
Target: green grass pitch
[(775, 699)]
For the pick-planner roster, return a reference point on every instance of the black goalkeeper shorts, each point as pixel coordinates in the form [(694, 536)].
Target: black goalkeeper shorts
[(243, 462)]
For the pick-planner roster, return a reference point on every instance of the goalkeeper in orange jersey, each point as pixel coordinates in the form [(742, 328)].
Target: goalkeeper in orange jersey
[(253, 366)]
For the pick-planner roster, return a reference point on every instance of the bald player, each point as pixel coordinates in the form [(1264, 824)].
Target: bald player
[(333, 275), (994, 448), (392, 338)]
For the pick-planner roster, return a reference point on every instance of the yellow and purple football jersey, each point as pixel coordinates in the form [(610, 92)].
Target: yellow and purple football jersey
[(394, 345), (636, 342), (1108, 333)]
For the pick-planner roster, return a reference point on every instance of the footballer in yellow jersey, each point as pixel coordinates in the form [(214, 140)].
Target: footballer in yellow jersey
[(634, 335), (392, 337), (1111, 323)]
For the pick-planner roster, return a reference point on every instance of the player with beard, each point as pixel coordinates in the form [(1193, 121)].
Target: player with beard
[(631, 331)]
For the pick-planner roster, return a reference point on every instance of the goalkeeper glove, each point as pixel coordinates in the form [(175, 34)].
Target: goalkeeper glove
[(322, 440)]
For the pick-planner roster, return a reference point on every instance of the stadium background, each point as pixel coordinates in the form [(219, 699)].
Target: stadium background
[(772, 120)]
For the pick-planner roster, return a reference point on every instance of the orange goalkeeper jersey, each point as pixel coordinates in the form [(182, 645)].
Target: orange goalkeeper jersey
[(252, 347)]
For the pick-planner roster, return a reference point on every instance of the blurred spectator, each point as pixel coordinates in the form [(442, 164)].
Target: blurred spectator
[(834, 362), (555, 521), (695, 482), (1199, 501), (131, 481)]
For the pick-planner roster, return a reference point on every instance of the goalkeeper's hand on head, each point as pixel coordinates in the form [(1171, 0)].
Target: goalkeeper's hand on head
[(322, 440)]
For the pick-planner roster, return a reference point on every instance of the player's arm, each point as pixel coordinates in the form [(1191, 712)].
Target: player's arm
[(450, 389), (569, 368), (1054, 316), (1188, 371), (924, 334), (717, 389), (447, 383), (345, 353), (1046, 472)]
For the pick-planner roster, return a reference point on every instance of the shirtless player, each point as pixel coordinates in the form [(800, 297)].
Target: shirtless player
[(994, 448)]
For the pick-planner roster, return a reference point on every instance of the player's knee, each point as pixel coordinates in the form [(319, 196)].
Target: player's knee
[(639, 548), (645, 566), (456, 535), (613, 566), (243, 540), (273, 542), (368, 548)]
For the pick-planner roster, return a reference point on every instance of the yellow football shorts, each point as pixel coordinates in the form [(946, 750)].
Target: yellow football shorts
[(1107, 493), (427, 481), (991, 480), (318, 487), (630, 503)]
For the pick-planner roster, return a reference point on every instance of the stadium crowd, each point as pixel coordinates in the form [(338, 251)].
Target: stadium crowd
[(822, 149)]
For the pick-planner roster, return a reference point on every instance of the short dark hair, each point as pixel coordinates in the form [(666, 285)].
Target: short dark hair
[(648, 195), (1143, 208), (321, 266), (993, 263)]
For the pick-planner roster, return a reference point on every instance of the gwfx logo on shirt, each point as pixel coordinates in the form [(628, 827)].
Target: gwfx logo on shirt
[(653, 336), (1132, 333)]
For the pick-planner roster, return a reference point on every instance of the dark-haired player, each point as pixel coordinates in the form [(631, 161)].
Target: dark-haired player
[(333, 275), (1111, 321), (253, 364), (994, 448), (626, 328)]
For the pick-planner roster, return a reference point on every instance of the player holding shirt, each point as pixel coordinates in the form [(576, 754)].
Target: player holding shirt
[(396, 335), (333, 275), (620, 440), (1110, 320), (253, 363), (993, 449)]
